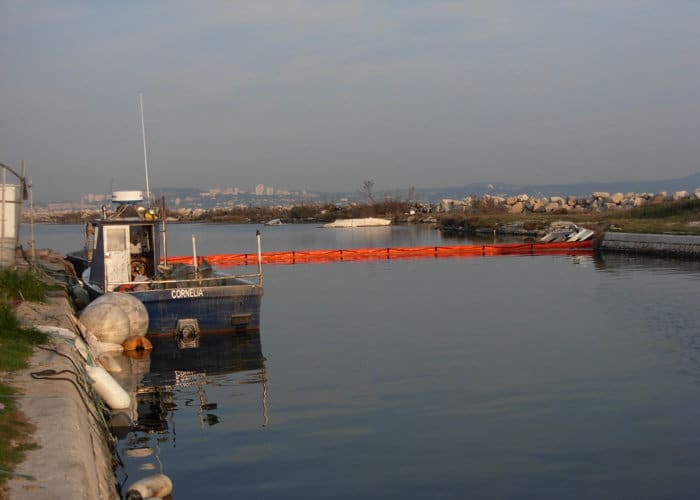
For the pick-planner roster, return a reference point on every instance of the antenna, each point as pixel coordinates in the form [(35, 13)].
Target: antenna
[(145, 156)]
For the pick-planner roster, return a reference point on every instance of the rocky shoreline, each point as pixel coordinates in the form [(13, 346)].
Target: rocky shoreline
[(595, 203), (398, 211)]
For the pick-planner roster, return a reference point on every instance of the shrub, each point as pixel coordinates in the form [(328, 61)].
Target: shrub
[(16, 285)]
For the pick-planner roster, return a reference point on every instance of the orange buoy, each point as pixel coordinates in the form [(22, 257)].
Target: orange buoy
[(137, 343)]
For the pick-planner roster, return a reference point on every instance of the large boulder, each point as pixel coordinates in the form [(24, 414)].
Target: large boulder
[(617, 198), (517, 208), (639, 201)]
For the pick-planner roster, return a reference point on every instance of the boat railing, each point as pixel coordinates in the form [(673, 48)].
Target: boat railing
[(189, 282)]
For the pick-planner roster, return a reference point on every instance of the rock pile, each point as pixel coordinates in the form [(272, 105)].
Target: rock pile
[(596, 202)]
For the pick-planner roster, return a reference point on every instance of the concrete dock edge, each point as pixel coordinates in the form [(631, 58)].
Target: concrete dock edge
[(74, 459), (669, 245)]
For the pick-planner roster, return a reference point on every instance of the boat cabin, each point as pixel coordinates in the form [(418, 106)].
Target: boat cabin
[(126, 251)]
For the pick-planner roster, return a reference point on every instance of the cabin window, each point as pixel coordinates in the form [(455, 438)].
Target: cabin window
[(115, 239)]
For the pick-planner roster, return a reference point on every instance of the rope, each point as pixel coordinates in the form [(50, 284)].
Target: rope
[(15, 474), (50, 374)]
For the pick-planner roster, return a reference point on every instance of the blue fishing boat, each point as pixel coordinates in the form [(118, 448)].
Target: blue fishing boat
[(126, 251)]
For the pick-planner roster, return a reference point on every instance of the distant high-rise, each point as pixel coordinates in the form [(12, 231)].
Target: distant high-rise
[(259, 190)]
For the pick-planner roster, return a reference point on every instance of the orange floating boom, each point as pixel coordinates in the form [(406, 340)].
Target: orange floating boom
[(356, 254)]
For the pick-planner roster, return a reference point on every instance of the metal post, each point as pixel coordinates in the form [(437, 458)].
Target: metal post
[(145, 156), (164, 239), (4, 217), (194, 254), (260, 275), (31, 219), (18, 215)]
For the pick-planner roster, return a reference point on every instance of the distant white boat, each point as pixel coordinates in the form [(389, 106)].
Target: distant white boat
[(274, 222), (363, 222), (582, 235), (570, 235)]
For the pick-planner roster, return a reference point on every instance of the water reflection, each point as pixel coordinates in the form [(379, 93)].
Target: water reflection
[(175, 379), (621, 262), (173, 367)]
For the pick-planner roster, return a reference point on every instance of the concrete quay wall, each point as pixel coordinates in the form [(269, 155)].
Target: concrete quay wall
[(652, 244), (74, 458)]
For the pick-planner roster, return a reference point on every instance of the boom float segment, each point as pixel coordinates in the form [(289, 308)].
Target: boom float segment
[(381, 253)]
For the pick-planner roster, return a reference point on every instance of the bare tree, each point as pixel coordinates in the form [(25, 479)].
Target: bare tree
[(367, 187)]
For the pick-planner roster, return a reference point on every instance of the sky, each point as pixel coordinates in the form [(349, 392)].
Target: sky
[(324, 94)]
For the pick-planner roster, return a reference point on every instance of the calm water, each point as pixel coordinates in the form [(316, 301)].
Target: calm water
[(506, 377)]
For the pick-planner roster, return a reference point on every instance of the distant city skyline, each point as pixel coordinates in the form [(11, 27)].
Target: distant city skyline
[(176, 196), (324, 95)]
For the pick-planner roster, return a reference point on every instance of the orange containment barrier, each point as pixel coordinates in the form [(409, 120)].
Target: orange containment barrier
[(355, 254)]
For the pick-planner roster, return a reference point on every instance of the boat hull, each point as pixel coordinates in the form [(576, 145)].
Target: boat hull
[(217, 309), (221, 309), (363, 222)]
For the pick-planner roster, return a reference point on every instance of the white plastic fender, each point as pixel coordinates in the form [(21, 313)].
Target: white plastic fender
[(109, 363), (157, 485), (67, 334), (111, 347), (109, 389), (57, 331)]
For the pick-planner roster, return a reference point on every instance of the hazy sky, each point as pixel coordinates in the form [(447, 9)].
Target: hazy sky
[(322, 94)]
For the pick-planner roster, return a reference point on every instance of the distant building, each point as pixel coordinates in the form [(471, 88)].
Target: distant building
[(259, 190)]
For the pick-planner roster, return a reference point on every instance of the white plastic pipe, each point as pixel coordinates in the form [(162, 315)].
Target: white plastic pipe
[(107, 388), (157, 485)]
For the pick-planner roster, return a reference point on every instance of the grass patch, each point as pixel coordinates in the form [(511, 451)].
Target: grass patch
[(15, 431), (686, 209), (16, 345), (15, 285)]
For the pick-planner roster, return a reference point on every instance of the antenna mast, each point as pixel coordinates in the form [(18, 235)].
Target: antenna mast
[(145, 156)]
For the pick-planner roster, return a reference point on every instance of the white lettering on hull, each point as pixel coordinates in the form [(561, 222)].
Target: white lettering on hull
[(186, 293)]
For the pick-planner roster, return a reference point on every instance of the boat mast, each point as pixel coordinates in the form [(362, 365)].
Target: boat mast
[(145, 156)]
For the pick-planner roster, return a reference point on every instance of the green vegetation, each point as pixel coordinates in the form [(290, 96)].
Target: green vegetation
[(25, 285), (14, 435), (685, 209), (16, 345)]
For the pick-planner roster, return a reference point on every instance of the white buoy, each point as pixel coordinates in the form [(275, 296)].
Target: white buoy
[(108, 389), (108, 322), (134, 309), (157, 485)]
